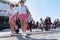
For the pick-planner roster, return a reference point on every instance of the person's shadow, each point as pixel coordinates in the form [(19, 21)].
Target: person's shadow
[(21, 38)]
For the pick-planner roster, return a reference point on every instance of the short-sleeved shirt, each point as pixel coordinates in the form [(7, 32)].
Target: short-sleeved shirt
[(29, 19), (22, 9), (11, 12), (42, 23)]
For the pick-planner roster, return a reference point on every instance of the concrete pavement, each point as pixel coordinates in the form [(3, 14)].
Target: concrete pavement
[(37, 34)]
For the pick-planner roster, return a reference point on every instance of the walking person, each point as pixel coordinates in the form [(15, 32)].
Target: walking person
[(37, 24), (48, 23), (23, 15), (42, 24), (12, 19), (29, 21)]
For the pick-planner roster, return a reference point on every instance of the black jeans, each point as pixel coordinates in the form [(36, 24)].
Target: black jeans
[(47, 28)]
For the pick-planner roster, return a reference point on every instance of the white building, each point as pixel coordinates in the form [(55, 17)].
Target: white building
[(4, 6)]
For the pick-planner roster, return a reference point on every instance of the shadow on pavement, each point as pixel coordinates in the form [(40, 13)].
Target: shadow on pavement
[(46, 32), (20, 38)]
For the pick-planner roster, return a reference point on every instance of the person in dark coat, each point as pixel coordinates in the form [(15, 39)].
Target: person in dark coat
[(47, 23)]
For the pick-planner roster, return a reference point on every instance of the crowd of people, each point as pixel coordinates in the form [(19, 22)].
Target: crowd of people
[(46, 24), (23, 14)]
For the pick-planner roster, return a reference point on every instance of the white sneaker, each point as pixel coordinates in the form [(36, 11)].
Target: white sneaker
[(24, 34), (12, 34)]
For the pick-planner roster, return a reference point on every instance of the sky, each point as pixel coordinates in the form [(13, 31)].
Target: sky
[(43, 8)]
